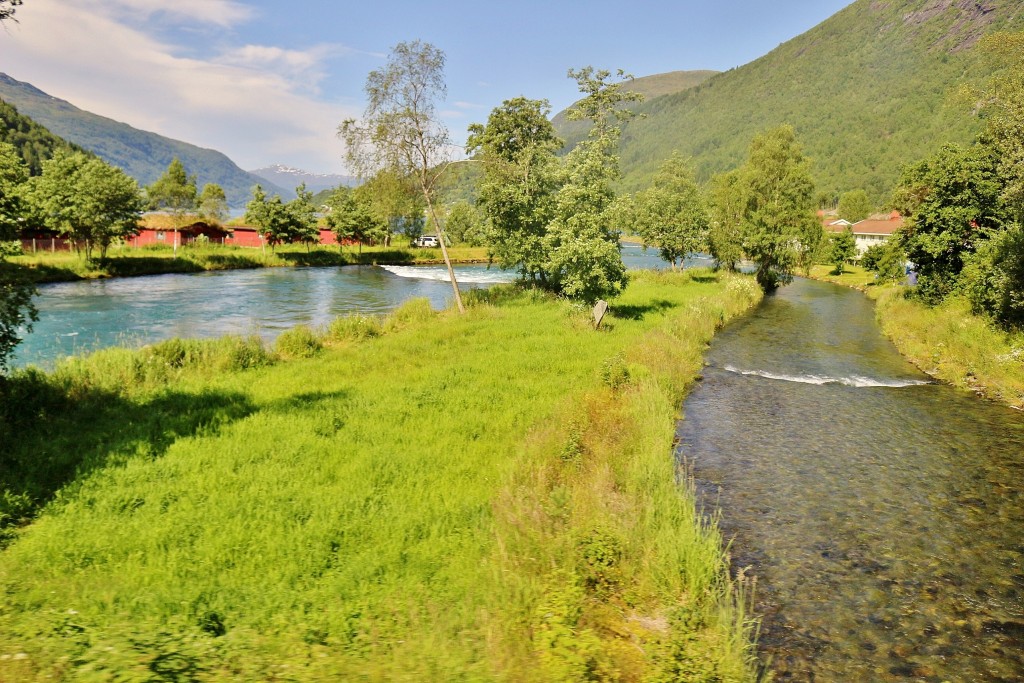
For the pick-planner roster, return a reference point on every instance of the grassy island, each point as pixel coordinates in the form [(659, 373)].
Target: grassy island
[(426, 496)]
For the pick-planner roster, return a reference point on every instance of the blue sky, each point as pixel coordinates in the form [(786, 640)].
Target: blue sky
[(268, 82)]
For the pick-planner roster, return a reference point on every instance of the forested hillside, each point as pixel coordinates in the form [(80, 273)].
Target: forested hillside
[(34, 143), (140, 154), (650, 87), (867, 90)]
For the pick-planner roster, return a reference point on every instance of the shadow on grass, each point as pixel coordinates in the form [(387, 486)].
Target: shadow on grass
[(37, 273), (230, 262), (51, 436), (638, 312), (129, 266)]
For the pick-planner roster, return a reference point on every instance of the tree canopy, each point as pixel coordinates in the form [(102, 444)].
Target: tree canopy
[(401, 130)]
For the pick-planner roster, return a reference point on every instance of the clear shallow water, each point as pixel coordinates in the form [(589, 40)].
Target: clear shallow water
[(883, 515), (78, 317)]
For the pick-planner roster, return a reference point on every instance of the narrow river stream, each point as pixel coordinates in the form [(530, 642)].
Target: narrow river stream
[(882, 514)]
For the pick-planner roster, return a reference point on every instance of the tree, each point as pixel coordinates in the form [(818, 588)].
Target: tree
[(781, 230), (392, 200), (842, 248), (270, 217), (350, 217), (303, 217), (13, 175), (213, 203), (7, 9), (993, 277), (854, 206), (584, 261), (401, 130), (517, 148), (174, 192), (728, 201), (952, 201), (16, 309), (671, 215), (464, 223), (85, 200)]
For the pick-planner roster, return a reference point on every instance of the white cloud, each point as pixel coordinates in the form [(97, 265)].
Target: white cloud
[(255, 103), (222, 13)]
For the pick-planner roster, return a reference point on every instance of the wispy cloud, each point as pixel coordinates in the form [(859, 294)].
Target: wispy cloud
[(258, 103)]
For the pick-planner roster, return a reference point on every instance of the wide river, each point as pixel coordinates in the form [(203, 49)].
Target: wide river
[(881, 514), (77, 317)]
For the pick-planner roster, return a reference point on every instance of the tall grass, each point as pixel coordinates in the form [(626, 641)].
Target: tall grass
[(425, 497), (951, 344)]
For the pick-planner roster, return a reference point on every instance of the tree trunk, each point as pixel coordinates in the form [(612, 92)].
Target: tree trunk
[(444, 252)]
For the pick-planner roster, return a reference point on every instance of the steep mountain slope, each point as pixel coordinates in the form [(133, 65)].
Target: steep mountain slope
[(866, 90), (34, 142), (140, 154), (650, 87)]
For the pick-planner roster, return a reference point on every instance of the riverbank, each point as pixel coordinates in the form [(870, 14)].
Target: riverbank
[(428, 496), (45, 267), (947, 342)]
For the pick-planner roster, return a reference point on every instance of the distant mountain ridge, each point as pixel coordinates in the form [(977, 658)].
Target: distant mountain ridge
[(866, 91), (141, 154), (290, 177)]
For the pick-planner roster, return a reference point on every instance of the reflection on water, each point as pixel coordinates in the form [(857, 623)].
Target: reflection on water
[(883, 515)]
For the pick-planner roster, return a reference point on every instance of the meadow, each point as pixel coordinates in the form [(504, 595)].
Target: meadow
[(425, 496), (65, 266)]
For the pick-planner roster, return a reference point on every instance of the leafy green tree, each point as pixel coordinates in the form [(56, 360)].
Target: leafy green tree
[(13, 175), (781, 230), (304, 222), (671, 214), (953, 204), (993, 277), (350, 217), (841, 249), (517, 150), (401, 130), (854, 206), (213, 203), (174, 192), (270, 217), (85, 200), (464, 223), (16, 309), (391, 199), (582, 243), (728, 201)]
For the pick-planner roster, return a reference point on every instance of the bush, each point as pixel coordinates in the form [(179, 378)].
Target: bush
[(298, 342), (354, 328), (993, 278)]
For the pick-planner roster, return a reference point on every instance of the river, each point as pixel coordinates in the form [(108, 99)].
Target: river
[(78, 317), (882, 514)]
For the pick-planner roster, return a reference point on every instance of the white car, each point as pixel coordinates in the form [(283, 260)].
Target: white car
[(427, 241)]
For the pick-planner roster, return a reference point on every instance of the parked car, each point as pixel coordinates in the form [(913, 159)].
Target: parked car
[(427, 241)]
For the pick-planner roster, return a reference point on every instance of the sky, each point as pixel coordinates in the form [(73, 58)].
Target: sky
[(268, 82)]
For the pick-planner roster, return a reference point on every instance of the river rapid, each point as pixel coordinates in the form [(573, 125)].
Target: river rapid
[(882, 514)]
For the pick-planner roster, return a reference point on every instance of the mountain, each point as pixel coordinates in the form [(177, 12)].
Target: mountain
[(288, 177), (34, 142), (142, 155), (648, 86), (866, 90)]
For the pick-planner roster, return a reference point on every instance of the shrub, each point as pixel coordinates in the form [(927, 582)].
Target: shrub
[(298, 342), (355, 328)]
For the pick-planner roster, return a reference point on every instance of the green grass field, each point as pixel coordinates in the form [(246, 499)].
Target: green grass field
[(152, 260), (425, 497)]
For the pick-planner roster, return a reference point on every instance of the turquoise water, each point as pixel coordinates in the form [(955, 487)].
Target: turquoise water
[(78, 317), (882, 514)]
